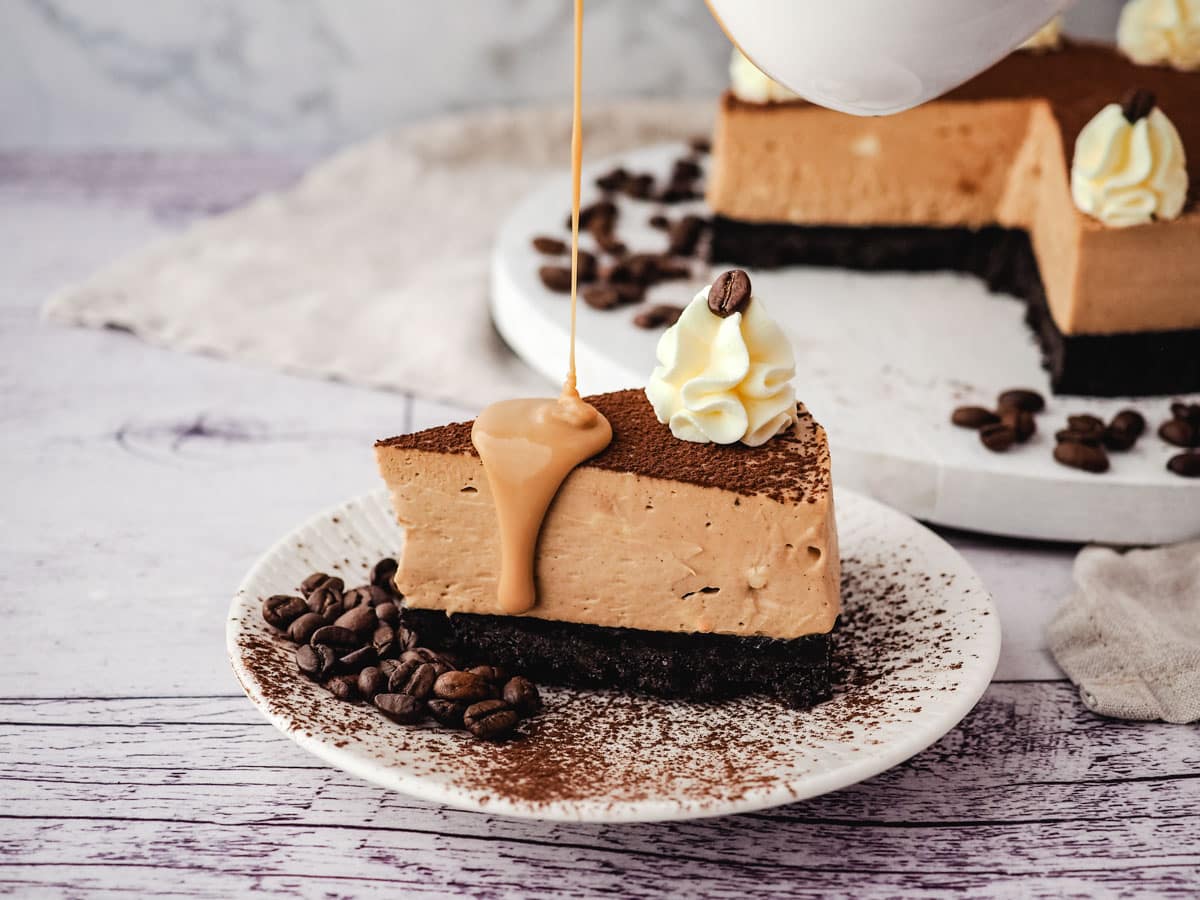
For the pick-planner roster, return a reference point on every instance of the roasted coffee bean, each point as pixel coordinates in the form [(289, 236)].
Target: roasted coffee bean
[(490, 719), (1086, 425), (420, 682), (387, 612), (447, 712), (383, 573), (556, 278), (371, 681), (282, 610), (1185, 464), (700, 145), (630, 292), (997, 437), (612, 180), (1021, 421), (399, 674), (383, 639), (1137, 104), (684, 234), (401, 708), (639, 187), (685, 170), (522, 695), (1090, 438), (356, 659), (326, 601), (730, 293), (406, 638), (550, 246), (360, 619), (464, 686), (670, 270), (389, 667), (1180, 432), (312, 582), (659, 221), (1129, 421), (494, 674), (1117, 440), (315, 662), (601, 296), (1189, 412), (678, 192), (973, 417), (1088, 457), (344, 687), (365, 595), (419, 654), (336, 636), (658, 316), (587, 266), (302, 628), (1022, 398), (594, 213)]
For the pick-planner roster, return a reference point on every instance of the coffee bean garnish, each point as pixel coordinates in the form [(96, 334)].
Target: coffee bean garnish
[(360, 619), (282, 610), (447, 712), (522, 695), (303, 628), (973, 417), (1078, 455), (1185, 464), (1137, 104), (549, 246), (997, 437), (1022, 398), (315, 662), (730, 293), (401, 708), (1180, 432), (371, 681), (490, 719), (658, 316)]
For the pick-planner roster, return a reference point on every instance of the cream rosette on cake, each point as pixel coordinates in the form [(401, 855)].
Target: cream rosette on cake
[(724, 379), (1161, 32)]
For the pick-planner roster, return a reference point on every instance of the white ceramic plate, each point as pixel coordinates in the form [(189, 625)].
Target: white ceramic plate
[(882, 359), (919, 643)]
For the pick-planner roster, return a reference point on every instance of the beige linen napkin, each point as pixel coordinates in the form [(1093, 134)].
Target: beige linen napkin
[(1129, 636), (374, 267)]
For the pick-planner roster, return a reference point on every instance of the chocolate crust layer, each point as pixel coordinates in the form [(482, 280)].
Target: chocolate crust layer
[(664, 664), (789, 468), (1133, 364)]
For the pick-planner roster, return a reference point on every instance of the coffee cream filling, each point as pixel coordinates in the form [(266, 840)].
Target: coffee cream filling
[(954, 164)]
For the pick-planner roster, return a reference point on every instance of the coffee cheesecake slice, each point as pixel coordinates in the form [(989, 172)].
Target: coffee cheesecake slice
[(665, 566)]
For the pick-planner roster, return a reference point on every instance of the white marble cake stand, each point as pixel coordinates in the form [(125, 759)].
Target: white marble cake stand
[(882, 359)]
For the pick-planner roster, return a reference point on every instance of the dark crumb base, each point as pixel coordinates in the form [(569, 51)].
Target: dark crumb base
[(1134, 364), (665, 664)]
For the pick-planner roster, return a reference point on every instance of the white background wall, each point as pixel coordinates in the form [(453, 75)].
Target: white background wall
[(289, 73)]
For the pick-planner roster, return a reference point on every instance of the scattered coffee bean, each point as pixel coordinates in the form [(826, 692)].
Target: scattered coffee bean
[(314, 581), (997, 437), (601, 214), (356, 659), (1117, 440), (587, 266), (1077, 455), (383, 639), (387, 612), (1129, 421), (700, 144), (686, 170), (419, 655), (420, 682), (344, 687), (730, 293), (684, 234), (406, 639), (549, 246), (315, 662), (1022, 398), (282, 610), (556, 278), (612, 180), (303, 628), (490, 719), (1180, 432), (639, 187), (678, 192), (1185, 464), (658, 316), (335, 636), (1189, 412), (401, 708), (389, 667), (1086, 425), (973, 417), (601, 296), (365, 595), (371, 681), (494, 674), (447, 712), (659, 221), (360, 619), (326, 601), (1091, 438), (522, 695), (383, 573), (630, 292), (398, 676), (1021, 421), (463, 686)]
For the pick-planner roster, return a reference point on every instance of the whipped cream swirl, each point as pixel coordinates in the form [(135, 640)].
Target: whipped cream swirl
[(751, 84), (1129, 173), (724, 380), (1161, 32), (1048, 37)]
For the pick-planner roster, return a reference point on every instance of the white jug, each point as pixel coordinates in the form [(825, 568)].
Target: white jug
[(877, 57)]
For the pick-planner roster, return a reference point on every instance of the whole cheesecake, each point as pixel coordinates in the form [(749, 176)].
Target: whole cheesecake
[(682, 569), (980, 181)]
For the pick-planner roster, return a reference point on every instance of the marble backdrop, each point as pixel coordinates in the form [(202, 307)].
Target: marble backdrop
[(314, 73)]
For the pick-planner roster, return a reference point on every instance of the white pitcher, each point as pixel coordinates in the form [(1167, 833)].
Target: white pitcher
[(877, 57)]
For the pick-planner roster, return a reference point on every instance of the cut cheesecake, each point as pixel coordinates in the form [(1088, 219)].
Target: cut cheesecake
[(674, 568), (978, 181)]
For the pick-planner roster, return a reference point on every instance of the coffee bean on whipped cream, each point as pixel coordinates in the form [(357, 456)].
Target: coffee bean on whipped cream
[(282, 610), (1078, 455), (303, 628), (658, 316), (1185, 464), (1021, 421), (1180, 432), (549, 246), (1022, 398), (730, 293), (522, 695), (973, 417), (490, 719)]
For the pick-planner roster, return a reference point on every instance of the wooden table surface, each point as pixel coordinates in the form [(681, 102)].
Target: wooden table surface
[(138, 485)]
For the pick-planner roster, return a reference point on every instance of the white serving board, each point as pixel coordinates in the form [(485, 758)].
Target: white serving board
[(882, 359)]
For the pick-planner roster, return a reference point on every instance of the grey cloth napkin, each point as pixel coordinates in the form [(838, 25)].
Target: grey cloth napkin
[(1129, 636), (374, 267)]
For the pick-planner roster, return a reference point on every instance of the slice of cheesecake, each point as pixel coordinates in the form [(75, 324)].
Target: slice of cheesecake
[(680, 569)]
